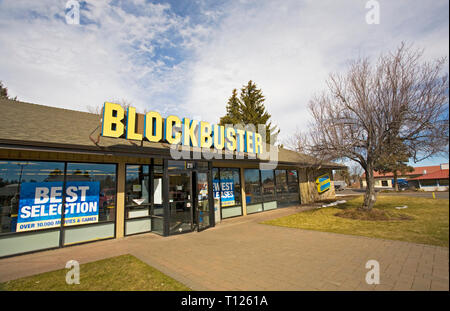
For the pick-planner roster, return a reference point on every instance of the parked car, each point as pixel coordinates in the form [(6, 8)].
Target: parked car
[(403, 186), (340, 185)]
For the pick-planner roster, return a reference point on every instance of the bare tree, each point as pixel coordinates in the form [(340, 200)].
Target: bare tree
[(362, 111), (98, 108), (355, 173), (298, 141), (95, 109)]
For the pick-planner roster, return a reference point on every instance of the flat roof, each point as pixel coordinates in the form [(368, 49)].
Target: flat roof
[(26, 125)]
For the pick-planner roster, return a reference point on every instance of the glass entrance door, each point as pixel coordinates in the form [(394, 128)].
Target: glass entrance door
[(201, 200), (180, 203)]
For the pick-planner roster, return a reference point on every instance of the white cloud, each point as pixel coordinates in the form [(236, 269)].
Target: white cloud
[(188, 65), (112, 56), (288, 48)]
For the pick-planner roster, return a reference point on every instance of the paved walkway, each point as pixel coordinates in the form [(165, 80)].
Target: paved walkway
[(241, 254)]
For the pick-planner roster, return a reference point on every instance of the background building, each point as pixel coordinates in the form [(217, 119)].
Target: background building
[(427, 178)]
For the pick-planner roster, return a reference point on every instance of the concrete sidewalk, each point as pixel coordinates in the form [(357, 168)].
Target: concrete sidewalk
[(241, 254)]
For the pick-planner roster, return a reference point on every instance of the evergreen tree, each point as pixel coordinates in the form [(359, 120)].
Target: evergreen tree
[(233, 115), (4, 92), (394, 160), (249, 109)]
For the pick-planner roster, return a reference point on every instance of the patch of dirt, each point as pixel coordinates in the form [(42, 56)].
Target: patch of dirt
[(374, 214)]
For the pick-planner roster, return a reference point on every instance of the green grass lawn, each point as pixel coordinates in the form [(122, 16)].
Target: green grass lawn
[(428, 226), (122, 273)]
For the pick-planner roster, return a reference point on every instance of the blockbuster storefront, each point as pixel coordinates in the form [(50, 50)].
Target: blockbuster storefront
[(70, 177)]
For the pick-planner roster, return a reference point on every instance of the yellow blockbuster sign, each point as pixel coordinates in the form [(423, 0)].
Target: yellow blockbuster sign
[(116, 122)]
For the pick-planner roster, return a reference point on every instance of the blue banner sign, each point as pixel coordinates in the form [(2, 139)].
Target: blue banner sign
[(227, 190), (40, 204)]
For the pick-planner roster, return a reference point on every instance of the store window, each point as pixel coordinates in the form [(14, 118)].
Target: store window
[(100, 180), (293, 187), (268, 184), (282, 187), (230, 187), (98, 183), (143, 199), (268, 189), (252, 186), (20, 211), (137, 191), (31, 204), (253, 195), (202, 199), (227, 191), (137, 199)]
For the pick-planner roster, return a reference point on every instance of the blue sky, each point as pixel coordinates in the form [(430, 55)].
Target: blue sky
[(184, 57)]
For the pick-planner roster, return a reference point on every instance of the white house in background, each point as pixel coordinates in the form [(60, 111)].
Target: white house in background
[(428, 178)]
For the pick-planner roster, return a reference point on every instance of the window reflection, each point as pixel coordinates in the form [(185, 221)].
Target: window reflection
[(268, 184), (252, 186)]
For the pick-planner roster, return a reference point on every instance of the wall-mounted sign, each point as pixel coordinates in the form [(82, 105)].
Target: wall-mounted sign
[(323, 183), (116, 122), (40, 204)]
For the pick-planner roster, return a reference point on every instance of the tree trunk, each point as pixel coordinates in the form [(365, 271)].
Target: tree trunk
[(370, 195), (395, 181)]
